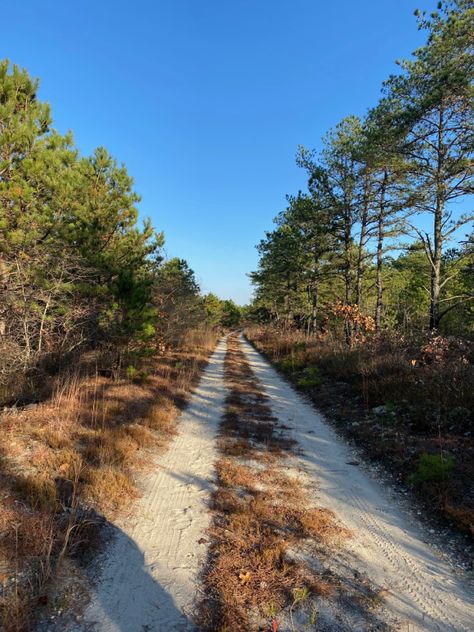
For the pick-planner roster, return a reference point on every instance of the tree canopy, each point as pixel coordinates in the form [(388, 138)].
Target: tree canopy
[(401, 177)]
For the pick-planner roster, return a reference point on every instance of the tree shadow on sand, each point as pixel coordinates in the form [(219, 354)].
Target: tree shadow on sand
[(125, 597)]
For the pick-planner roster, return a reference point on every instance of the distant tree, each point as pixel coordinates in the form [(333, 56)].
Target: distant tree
[(333, 182), (213, 309), (231, 314), (280, 275), (310, 222), (177, 298)]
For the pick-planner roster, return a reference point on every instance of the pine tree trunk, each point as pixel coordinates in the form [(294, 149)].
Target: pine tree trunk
[(436, 267), (361, 250), (314, 314), (379, 303), (435, 288), (308, 319), (380, 238), (288, 301)]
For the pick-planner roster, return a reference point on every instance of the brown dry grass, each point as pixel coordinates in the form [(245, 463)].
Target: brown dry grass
[(68, 462), (260, 512)]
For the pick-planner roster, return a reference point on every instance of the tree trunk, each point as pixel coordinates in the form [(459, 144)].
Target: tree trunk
[(288, 301), (436, 267), (380, 238), (363, 236), (379, 302), (314, 312), (438, 228), (308, 318)]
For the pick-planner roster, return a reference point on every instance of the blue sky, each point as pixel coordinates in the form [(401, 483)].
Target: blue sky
[(206, 101)]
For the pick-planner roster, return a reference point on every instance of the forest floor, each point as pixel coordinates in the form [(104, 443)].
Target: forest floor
[(383, 573)]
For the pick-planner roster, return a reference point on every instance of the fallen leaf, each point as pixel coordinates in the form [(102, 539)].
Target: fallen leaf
[(244, 578)]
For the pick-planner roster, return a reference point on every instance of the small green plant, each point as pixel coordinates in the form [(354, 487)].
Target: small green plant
[(432, 468), (311, 378), (271, 610), (291, 364), (300, 346), (313, 617), (387, 413), (131, 372), (299, 596)]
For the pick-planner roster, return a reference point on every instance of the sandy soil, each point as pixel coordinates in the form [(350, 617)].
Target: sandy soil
[(148, 579), (421, 591)]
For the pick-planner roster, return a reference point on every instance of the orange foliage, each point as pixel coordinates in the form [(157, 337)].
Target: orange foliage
[(357, 321)]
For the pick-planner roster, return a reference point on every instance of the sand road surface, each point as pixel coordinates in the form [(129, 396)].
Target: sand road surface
[(149, 574)]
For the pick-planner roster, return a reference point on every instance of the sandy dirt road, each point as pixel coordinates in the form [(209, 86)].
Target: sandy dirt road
[(149, 574), (148, 579), (420, 590)]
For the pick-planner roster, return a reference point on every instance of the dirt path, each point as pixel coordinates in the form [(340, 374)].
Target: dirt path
[(148, 576), (419, 589)]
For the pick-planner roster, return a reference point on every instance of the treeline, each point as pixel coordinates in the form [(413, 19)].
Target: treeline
[(77, 270), (383, 235)]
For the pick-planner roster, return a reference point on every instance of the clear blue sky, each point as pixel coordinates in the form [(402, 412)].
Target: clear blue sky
[(206, 101)]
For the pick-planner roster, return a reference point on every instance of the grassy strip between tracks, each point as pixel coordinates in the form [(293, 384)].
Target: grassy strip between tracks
[(261, 512)]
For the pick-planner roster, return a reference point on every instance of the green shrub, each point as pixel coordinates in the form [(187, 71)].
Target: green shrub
[(388, 413), (300, 346), (291, 364), (432, 468), (311, 378), (131, 372)]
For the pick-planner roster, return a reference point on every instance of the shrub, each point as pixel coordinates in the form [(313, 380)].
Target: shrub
[(388, 413), (300, 346), (131, 372), (291, 364), (432, 468), (311, 378), (38, 491)]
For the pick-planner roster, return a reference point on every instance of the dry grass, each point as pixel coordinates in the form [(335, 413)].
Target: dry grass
[(68, 462), (261, 514)]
